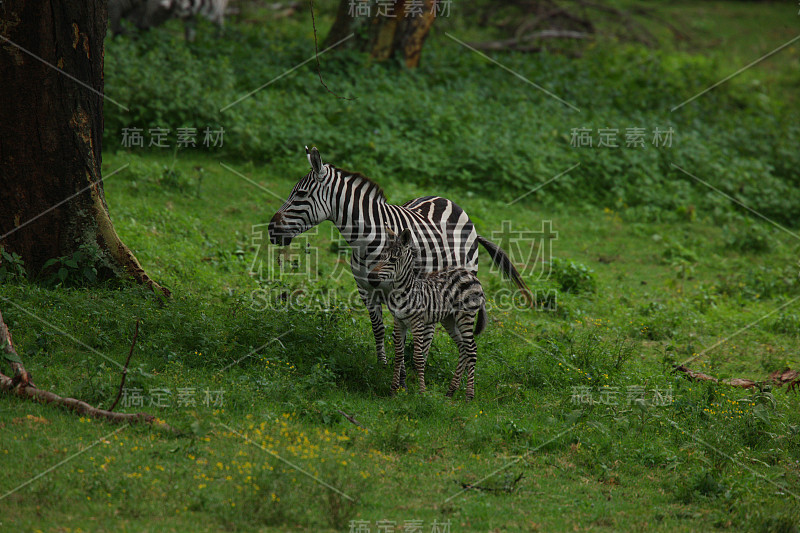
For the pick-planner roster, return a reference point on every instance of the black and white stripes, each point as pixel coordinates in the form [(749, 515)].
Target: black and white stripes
[(442, 231), (189, 10), (146, 14), (418, 301)]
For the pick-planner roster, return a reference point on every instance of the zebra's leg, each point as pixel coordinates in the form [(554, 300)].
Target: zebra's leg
[(449, 324), (456, 381), (189, 28), (376, 317), (423, 336), (467, 354), (398, 378), (399, 350)]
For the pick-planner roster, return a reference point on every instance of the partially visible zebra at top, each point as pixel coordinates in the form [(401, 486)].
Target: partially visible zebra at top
[(357, 206), (146, 14)]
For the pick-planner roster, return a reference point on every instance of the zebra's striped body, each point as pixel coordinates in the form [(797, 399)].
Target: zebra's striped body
[(188, 10), (146, 14), (443, 233), (418, 301)]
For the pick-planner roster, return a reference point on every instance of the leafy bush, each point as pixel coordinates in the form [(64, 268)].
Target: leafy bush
[(78, 269), (572, 276), (704, 484), (498, 136), (747, 237), (761, 282), (11, 266)]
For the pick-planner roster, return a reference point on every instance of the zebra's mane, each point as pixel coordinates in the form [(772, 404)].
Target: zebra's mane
[(359, 177)]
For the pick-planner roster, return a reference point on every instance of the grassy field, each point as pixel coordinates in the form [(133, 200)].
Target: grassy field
[(578, 423)]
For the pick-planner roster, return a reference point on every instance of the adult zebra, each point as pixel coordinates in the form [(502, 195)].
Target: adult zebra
[(357, 206)]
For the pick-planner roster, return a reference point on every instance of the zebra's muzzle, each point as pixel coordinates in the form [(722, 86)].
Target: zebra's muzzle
[(277, 233)]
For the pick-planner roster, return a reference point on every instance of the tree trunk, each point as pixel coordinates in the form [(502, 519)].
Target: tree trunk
[(384, 32), (52, 202), (10, 355)]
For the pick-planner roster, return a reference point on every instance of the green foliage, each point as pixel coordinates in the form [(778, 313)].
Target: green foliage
[(786, 323), (12, 267), (572, 277), (77, 270), (502, 137), (703, 484), (629, 306), (748, 237), (148, 174), (676, 253), (569, 358), (762, 281), (395, 437)]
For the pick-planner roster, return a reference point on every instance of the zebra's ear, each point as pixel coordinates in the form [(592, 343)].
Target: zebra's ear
[(405, 237), (315, 160)]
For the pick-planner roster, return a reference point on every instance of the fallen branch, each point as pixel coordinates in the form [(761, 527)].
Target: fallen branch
[(80, 407), (350, 418), (786, 376), (778, 378), (125, 368)]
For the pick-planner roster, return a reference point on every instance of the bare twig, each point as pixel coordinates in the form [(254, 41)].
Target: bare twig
[(125, 368), (316, 54), (351, 419)]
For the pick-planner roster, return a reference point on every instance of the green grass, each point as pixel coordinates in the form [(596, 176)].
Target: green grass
[(618, 467), (642, 285)]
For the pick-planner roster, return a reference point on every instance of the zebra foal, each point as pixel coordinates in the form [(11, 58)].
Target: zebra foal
[(453, 297)]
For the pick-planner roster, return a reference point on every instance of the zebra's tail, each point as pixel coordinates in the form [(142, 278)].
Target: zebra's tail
[(480, 323), (502, 260)]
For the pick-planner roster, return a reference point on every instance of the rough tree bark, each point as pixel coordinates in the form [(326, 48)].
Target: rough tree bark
[(51, 128), (52, 202), (10, 355), (383, 32)]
